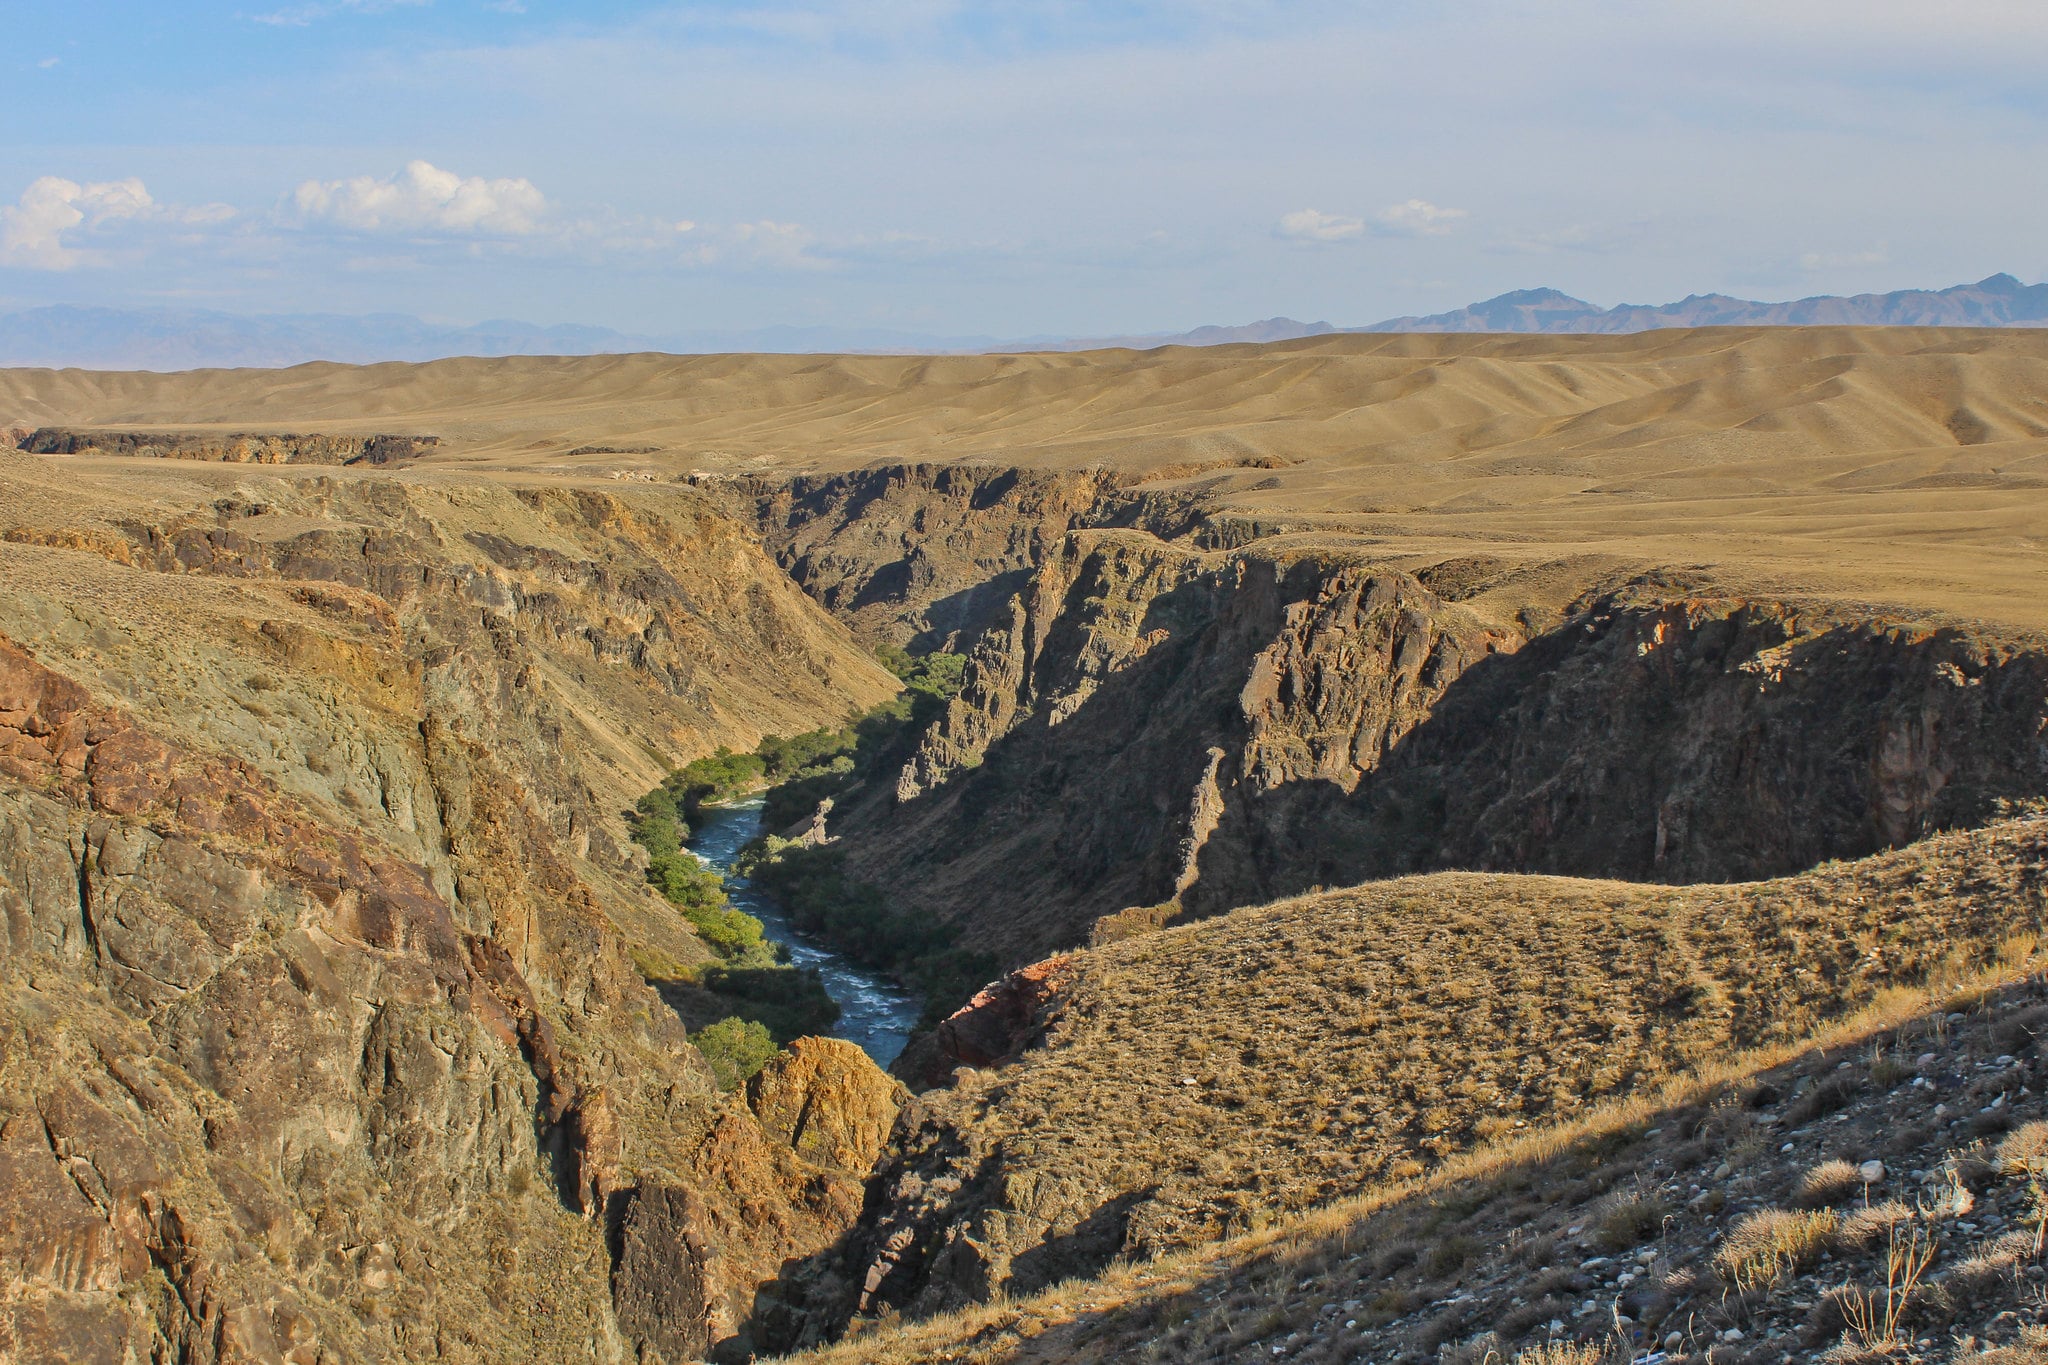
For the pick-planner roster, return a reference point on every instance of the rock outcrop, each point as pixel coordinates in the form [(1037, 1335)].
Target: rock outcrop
[(994, 1027), (234, 448), (1256, 722), (320, 1037)]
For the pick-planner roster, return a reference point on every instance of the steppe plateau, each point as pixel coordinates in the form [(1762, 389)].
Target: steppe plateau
[(1449, 815)]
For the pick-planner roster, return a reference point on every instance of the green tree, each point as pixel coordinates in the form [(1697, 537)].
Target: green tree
[(736, 1048)]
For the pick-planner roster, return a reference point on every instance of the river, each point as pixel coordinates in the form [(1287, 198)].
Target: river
[(874, 1012)]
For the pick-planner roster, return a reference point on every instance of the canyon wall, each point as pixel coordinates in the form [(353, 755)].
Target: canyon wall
[(1155, 728), (320, 1037), (928, 555), (234, 448)]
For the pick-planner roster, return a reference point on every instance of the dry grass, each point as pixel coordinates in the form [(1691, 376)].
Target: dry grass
[(1569, 1353), (2024, 1151), (1828, 1183), (1874, 1315), (1119, 1315), (1872, 1226), (1771, 1244), (1278, 1058)]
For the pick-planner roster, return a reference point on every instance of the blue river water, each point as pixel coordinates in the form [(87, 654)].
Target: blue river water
[(874, 1012)]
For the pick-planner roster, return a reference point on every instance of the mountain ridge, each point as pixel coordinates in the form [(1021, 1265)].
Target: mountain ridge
[(70, 337)]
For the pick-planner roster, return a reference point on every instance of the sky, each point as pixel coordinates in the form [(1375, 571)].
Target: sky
[(1008, 168)]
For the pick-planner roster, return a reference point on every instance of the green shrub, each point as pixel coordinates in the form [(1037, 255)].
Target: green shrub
[(699, 893), (736, 1048), (715, 777), (662, 838), (860, 921), (790, 1002)]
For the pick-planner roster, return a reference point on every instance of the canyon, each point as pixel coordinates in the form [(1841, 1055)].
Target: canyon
[(1370, 751)]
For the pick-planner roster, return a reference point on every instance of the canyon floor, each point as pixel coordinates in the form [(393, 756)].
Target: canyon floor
[(1471, 833)]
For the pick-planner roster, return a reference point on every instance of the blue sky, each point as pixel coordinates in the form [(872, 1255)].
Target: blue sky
[(1009, 167)]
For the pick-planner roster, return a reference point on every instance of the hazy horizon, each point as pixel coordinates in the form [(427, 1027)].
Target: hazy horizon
[(1006, 170)]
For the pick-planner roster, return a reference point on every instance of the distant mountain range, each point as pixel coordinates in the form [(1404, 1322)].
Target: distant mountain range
[(184, 339), (1999, 301), (175, 339)]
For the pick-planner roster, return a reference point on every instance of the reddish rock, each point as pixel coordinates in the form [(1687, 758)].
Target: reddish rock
[(1001, 1020)]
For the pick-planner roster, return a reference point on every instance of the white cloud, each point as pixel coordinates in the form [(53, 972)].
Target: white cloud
[(1417, 218), (48, 62), (424, 198), (33, 229), (1309, 225)]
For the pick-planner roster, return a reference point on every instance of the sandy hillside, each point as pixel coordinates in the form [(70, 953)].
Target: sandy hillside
[(1896, 465)]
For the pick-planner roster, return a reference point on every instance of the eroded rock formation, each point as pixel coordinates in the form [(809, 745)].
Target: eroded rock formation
[(320, 1034), (1255, 722), (234, 448)]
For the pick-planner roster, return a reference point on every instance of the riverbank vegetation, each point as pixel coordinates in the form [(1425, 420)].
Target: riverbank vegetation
[(861, 922), (803, 770), (752, 1000)]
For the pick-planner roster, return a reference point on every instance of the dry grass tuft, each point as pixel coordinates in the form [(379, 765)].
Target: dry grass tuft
[(1870, 1227), (1568, 1353), (1628, 1218), (1772, 1244), (1828, 1183), (2024, 1150)]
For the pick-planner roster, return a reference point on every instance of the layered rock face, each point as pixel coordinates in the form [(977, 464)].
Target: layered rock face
[(1151, 731), (237, 448), (930, 554), (319, 1034)]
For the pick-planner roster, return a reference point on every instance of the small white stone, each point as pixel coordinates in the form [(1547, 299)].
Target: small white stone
[(1732, 1334), (1871, 1172), (1723, 1171), (1787, 1147)]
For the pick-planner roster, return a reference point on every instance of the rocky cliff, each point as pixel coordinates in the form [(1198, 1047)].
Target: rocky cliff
[(319, 1034), (234, 448), (930, 554), (1151, 731)]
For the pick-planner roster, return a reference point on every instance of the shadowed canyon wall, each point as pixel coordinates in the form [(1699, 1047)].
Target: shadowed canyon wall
[(1151, 729)]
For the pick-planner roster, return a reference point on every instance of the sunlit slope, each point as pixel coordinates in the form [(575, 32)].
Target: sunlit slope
[(1903, 465)]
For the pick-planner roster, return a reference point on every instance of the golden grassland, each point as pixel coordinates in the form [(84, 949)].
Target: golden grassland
[(1282, 1057), (1440, 1253), (1888, 465)]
